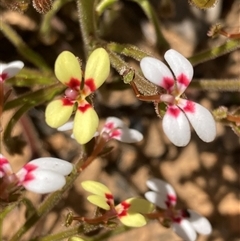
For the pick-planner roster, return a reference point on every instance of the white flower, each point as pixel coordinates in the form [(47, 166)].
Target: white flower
[(7, 71), (114, 128), (179, 111), (42, 175), (184, 222)]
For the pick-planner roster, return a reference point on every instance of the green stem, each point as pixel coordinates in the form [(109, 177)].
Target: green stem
[(216, 85), (62, 235), (162, 44), (87, 20), (125, 71), (23, 48), (35, 98), (215, 52), (47, 205), (128, 50)]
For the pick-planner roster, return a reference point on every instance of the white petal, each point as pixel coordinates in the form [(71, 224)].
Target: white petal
[(118, 123), (66, 127), (181, 68), (5, 168), (157, 72), (157, 199), (165, 190), (54, 164), (200, 118), (184, 230), (199, 223), (129, 136), (12, 68), (44, 181), (176, 126)]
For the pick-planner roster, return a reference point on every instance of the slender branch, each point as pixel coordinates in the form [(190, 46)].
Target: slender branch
[(128, 50), (216, 85), (87, 20), (215, 52)]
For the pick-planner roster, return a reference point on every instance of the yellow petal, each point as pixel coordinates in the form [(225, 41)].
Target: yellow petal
[(139, 205), (58, 112), (96, 188), (133, 220), (97, 69), (68, 70), (85, 123), (98, 201)]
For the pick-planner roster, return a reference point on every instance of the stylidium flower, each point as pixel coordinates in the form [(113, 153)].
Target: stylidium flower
[(184, 222), (68, 72), (113, 128), (179, 111), (129, 212), (9, 70), (42, 175)]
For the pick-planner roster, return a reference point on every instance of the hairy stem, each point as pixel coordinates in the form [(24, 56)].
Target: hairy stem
[(87, 20), (215, 52)]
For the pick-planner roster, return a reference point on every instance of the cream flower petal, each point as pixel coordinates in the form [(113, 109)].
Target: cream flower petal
[(85, 123), (97, 69), (58, 112), (9, 70), (68, 70)]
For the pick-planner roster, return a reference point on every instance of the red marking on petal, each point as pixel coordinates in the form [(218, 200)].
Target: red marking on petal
[(3, 161), (182, 79), (177, 219), (74, 83), (174, 111), (168, 83), (125, 207), (29, 175), (171, 200), (30, 167), (109, 125), (115, 133), (189, 107), (67, 102), (3, 76), (108, 195), (90, 84), (109, 198), (185, 213), (83, 108)]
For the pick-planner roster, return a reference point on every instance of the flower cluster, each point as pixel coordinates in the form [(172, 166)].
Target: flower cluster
[(129, 212), (68, 72), (184, 222), (42, 175), (179, 111)]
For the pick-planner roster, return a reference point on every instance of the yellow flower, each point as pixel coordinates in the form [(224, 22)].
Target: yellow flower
[(68, 71)]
